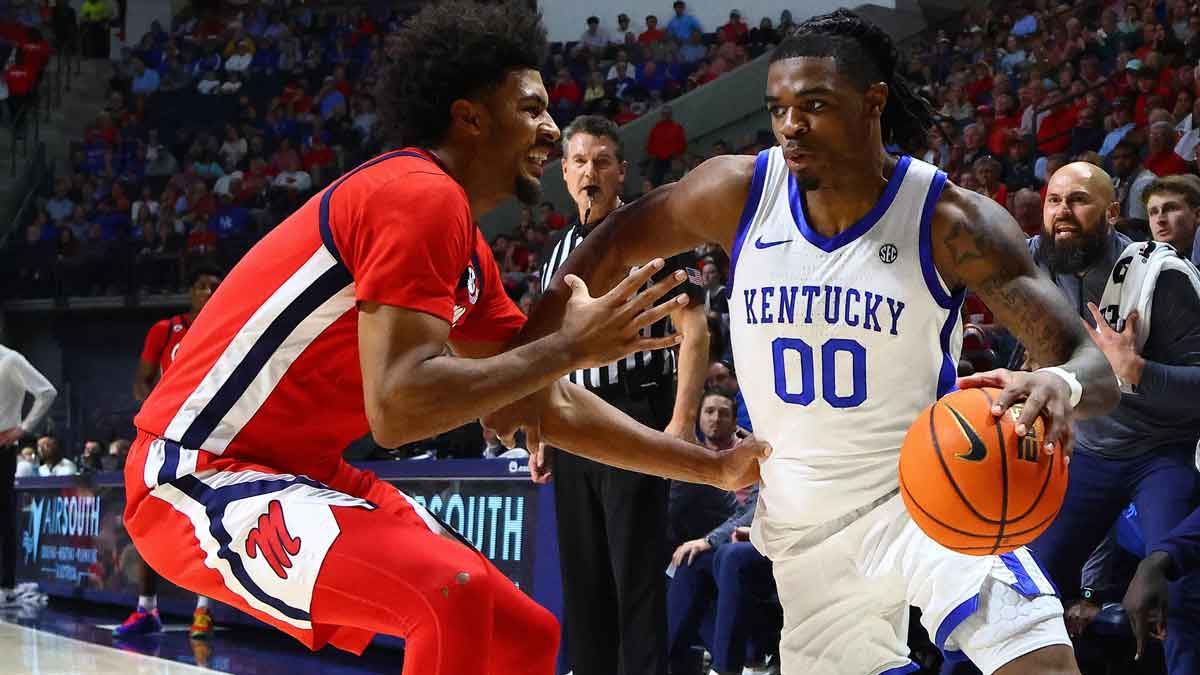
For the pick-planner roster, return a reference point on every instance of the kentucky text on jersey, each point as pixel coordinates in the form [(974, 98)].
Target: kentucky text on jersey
[(834, 305), (840, 341)]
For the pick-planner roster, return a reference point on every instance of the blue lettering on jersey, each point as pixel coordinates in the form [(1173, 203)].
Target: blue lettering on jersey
[(852, 307)]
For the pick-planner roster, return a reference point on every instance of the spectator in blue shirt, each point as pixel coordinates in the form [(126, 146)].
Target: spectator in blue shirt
[(60, 206), (652, 77), (329, 98), (683, 25), (1025, 26), (113, 223), (694, 50), (229, 220), (266, 59), (94, 154), (145, 80)]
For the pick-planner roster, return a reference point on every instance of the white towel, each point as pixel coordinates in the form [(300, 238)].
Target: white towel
[(1131, 285)]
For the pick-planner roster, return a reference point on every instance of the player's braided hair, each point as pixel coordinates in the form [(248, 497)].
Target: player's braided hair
[(450, 50), (865, 54)]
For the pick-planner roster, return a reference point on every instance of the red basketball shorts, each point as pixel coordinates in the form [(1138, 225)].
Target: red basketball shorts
[(331, 562)]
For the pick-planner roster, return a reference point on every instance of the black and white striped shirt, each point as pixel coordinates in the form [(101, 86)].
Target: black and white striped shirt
[(634, 369)]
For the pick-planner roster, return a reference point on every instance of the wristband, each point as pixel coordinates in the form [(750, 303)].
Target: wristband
[(1070, 379)]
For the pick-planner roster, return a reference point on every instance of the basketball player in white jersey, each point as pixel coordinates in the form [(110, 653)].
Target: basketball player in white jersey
[(849, 268)]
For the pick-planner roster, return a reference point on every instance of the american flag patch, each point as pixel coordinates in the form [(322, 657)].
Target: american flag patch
[(694, 276)]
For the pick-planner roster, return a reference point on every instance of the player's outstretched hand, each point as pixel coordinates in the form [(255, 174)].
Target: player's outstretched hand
[(1146, 600), (601, 330), (1042, 394), (739, 464)]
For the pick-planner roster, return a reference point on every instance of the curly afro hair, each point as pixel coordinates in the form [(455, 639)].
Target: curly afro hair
[(450, 50)]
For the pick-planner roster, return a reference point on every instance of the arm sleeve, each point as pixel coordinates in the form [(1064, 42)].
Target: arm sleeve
[(406, 243), (36, 384), (495, 318), (687, 262), (1183, 545), (156, 342), (1174, 335), (742, 518)]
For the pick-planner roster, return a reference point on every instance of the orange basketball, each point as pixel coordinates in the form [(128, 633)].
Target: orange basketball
[(971, 484)]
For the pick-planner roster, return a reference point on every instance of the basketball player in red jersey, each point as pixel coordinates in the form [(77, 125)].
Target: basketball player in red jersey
[(337, 323), (162, 342)]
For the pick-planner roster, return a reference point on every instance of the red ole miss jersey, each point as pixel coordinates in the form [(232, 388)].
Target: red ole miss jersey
[(269, 372), (162, 342)]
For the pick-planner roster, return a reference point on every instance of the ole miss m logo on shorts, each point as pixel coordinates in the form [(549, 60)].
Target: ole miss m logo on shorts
[(273, 540)]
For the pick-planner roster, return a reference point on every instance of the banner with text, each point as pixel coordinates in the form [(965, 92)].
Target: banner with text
[(73, 538)]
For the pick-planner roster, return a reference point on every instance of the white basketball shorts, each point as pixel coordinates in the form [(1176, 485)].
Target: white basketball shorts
[(846, 598)]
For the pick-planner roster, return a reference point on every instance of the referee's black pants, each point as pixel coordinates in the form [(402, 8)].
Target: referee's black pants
[(612, 549), (8, 516)]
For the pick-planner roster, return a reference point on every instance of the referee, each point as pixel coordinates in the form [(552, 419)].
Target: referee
[(612, 523)]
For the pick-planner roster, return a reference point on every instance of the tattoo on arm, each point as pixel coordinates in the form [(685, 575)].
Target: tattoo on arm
[(996, 265)]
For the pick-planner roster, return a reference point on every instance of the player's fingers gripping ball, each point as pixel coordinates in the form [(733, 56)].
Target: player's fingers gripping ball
[(971, 483)]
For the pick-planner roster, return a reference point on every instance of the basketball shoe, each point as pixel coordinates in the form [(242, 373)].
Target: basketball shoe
[(202, 625), (140, 622)]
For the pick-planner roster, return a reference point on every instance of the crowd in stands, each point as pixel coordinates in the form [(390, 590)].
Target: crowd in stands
[(1018, 91), (217, 126), (214, 130), (49, 459), (220, 125)]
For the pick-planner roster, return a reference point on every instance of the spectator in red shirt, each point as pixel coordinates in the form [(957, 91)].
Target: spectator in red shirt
[(702, 75), (667, 141), (734, 31), (201, 202), (1027, 210), (285, 156), (625, 113), (36, 50), (1161, 158), (987, 170), (653, 33), (20, 78), (1148, 89), (1089, 73), (366, 26), (1054, 134), (1153, 37), (978, 90), (201, 244), (1006, 120), (340, 82), (550, 218), (566, 94), (318, 158)]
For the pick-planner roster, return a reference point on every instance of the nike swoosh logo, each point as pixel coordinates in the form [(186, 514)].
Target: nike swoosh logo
[(978, 450), (759, 243)]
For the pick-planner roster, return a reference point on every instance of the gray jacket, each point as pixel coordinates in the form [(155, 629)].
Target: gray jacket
[(1164, 409)]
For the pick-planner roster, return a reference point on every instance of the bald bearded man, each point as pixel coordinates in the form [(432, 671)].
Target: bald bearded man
[(1142, 452)]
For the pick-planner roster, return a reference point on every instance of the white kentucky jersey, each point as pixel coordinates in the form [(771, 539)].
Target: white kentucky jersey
[(839, 342)]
